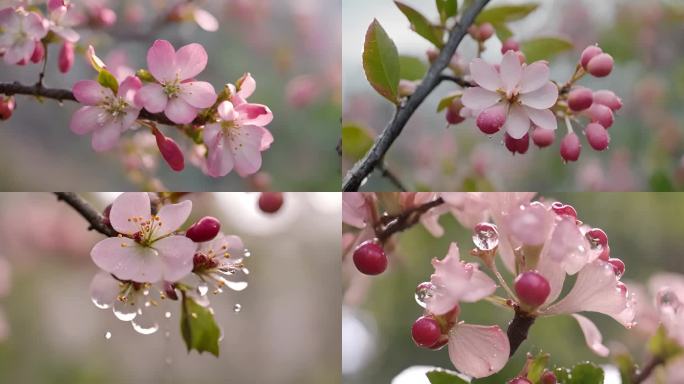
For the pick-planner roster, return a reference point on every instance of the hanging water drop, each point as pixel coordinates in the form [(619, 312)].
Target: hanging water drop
[(124, 311), (167, 315), (486, 236), (145, 329), (100, 304), (237, 308), (424, 291)]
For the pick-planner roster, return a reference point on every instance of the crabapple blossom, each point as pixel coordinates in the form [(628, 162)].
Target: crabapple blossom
[(20, 31), (175, 91), (61, 22), (105, 114), (146, 251), (219, 263), (524, 92)]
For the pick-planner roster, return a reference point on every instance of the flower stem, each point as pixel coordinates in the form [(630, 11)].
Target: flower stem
[(648, 369), (518, 329), (501, 280)]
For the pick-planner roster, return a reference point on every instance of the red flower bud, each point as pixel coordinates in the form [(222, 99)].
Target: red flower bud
[(66, 57), (170, 151)]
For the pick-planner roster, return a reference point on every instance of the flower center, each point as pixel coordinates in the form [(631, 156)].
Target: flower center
[(115, 106), (172, 88), (147, 227)]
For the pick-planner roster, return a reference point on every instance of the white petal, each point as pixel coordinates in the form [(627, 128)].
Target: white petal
[(479, 98), (511, 71), (127, 206), (171, 217), (542, 98), (485, 75), (542, 118), (592, 336), (517, 122)]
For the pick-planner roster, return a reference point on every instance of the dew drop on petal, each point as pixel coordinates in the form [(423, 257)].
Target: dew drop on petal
[(486, 236), (108, 335), (237, 308), (424, 291)]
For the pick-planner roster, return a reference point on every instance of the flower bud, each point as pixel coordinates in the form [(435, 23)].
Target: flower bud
[(597, 136), (104, 17), (589, 53), (510, 45), (570, 147), (580, 99), (54, 5), (270, 202), (407, 87), (601, 114), (38, 53), (608, 98), (204, 229), (453, 112), (432, 54), (491, 119), (601, 65), (370, 258), (170, 151), (543, 137), (520, 145), (548, 377), (170, 291), (426, 331), (486, 31), (532, 288), (7, 106), (66, 57)]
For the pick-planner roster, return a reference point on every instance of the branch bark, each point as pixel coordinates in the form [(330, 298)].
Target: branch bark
[(405, 220), (647, 370), (95, 218), (375, 155), (518, 329)]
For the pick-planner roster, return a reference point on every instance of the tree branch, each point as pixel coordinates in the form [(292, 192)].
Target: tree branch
[(365, 166), (647, 370), (458, 80), (405, 220), (96, 220), (518, 329)]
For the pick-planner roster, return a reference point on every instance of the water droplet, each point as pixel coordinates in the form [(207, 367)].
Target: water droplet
[(237, 308), (202, 289), (486, 237), (236, 285), (247, 253), (100, 304), (108, 335), (424, 291), (145, 329), (124, 311), (167, 315), (245, 271)]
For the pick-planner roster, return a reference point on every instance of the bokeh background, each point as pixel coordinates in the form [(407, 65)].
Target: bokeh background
[(644, 231), (644, 37), (291, 47), (287, 332)]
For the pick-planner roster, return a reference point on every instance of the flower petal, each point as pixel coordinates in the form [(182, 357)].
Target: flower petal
[(220, 160), (152, 98), (171, 217), (354, 210), (176, 254), (511, 71), (485, 75), (104, 289), (191, 60), (35, 26), (478, 350), (479, 98), (199, 94), (161, 61), (530, 224), (125, 208), (85, 120), (266, 139), (245, 144), (592, 336), (542, 118), (180, 112), (534, 76), (568, 246), (129, 87), (127, 260), (226, 111), (542, 98), (246, 86), (254, 114), (90, 92), (107, 137), (517, 123)]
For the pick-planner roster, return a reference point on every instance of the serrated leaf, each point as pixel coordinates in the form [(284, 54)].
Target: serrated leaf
[(544, 48), (107, 80), (444, 377), (447, 9), (381, 62), (537, 366), (198, 327), (411, 68), (586, 373), (421, 25), (505, 13), (446, 101), (356, 141)]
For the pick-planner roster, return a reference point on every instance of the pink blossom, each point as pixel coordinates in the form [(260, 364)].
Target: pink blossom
[(147, 250), (524, 91), (105, 115), (61, 22), (20, 31), (175, 92), (355, 209), (219, 262)]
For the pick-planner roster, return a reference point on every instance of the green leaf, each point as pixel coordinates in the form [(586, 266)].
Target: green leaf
[(662, 346), (356, 141), (411, 68), (447, 9), (586, 373), (502, 31), (505, 13), (145, 75), (440, 376), (381, 62), (537, 366), (446, 102), (544, 48), (562, 375), (627, 367), (660, 182), (199, 328), (107, 80), (422, 26)]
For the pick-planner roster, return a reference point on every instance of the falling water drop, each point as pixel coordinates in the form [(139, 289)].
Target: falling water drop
[(167, 315), (486, 237), (424, 291), (145, 329), (247, 253), (108, 335), (167, 334), (124, 311), (237, 308)]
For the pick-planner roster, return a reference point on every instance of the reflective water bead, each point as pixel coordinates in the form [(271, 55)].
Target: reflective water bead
[(424, 291), (486, 236)]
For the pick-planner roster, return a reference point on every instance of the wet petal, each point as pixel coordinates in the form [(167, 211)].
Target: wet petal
[(568, 246), (592, 336), (127, 260), (176, 253), (517, 123), (478, 350), (543, 98), (171, 217), (354, 210), (104, 288), (125, 208)]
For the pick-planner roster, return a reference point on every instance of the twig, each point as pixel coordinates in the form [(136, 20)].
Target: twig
[(389, 175), (518, 329), (41, 77), (96, 220), (647, 370), (365, 166), (403, 221), (338, 148), (458, 80)]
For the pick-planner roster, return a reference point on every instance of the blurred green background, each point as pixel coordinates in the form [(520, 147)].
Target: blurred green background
[(286, 333), (277, 41), (645, 231)]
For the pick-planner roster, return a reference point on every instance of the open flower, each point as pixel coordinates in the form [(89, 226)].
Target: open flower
[(20, 31), (513, 97), (147, 250), (61, 22), (175, 92), (105, 115), (355, 209), (219, 263)]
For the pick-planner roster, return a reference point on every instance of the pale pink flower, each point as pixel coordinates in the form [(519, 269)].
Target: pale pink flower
[(429, 219), (105, 115), (175, 92), (148, 250), (61, 22), (523, 92), (20, 31), (219, 263), (355, 209)]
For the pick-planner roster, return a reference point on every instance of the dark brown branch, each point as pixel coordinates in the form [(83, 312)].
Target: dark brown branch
[(647, 370), (375, 155), (458, 80), (96, 220), (403, 221), (518, 329), (389, 175)]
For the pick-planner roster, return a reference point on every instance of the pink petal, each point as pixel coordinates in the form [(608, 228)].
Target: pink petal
[(180, 112), (592, 336), (220, 160), (35, 26), (127, 260), (129, 87), (534, 76), (67, 34), (199, 94), (511, 71), (107, 137), (543, 98), (127, 206), (205, 20), (246, 86), (17, 53), (85, 120), (254, 114), (90, 92), (245, 144), (129, 119), (530, 224), (266, 139), (478, 350), (104, 289), (542, 118), (479, 98), (354, 210), (152, 97), (517, 122), (555, 275), (161, 61), (171, 217), (454, 282), (210, 134), (226, 111), (485, 75), (191, 60), (176, 254), (568, 246)]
